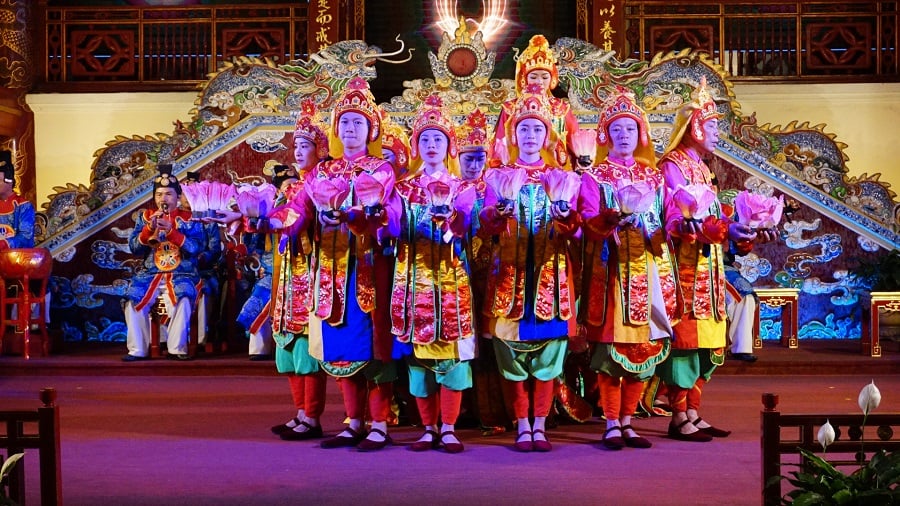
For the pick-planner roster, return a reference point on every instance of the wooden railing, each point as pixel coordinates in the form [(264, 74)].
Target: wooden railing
[(16, 439), (787, 434), (160, 48), (166, 48), (821, 40)]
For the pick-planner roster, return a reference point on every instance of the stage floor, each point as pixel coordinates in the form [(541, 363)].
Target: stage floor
[(164, 432)]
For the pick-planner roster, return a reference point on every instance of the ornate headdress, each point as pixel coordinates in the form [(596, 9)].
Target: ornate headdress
[(621, 104), (395, 140), (310, 128), (474, 133), (281, 173), (357, 97), (533, 104), (692, 115), (7, 169), (432, 116), (165, 178), (537, 56)]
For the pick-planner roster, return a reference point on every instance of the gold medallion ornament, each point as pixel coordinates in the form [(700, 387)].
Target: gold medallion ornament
[(167, 256)]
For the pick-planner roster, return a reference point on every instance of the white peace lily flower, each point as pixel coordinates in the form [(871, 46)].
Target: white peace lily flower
[(825, 435), (869, 398)]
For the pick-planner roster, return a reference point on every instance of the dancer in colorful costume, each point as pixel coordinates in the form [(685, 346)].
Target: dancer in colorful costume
[(170, 242), (16, 212), (431, 304), (486, 398), (356, 223), (529, 298), (291, 284), (537, 66), (629, 288), (694, 220)]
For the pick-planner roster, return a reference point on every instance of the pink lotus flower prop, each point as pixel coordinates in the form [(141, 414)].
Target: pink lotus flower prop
[(372, 189), (562, 187), (758, 211), (506, 183), (219, 195), (207, 197), (694, 200), (584, 146), (635, 198), (328, 194), (256, 201), (195, 194), (440, 194)]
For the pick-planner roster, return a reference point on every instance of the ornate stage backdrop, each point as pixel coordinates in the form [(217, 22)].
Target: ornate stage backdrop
[(245, 113)]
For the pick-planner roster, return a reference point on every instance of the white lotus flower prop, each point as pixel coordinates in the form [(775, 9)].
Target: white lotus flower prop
[(869, 398), (758, 211), (825, 435)]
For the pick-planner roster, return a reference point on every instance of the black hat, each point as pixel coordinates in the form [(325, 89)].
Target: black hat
[(6, 166), (165, 179), (283, 173), (192, 176)]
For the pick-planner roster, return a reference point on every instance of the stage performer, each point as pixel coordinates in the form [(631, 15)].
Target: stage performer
[(536, 65), (291, 284), (16, 212), (431, 302), (698, 236), (170, 242), (207, 263), (485, 400), (349, 327), (629, 288), (529, 299)]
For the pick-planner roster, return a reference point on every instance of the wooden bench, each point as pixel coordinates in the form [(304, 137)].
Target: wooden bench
[(787, 434), (16, 440)]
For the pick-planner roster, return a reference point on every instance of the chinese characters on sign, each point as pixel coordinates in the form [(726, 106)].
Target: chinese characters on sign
[(609, 25), (323, 24)]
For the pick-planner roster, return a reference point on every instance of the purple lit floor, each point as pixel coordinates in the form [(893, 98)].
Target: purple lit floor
[(197, 433)]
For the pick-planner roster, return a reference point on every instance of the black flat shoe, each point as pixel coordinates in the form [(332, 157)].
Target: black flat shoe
[(635, 442), (744, 357), (132, 358), (310, 433), (367, 445), (284, 427), (712, 431), (613, 443), (340, 441), (694, 437)]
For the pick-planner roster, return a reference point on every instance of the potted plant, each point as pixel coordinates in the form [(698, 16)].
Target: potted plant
[(818, 482)]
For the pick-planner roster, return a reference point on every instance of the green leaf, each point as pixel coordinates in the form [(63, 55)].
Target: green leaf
[(10, 462)]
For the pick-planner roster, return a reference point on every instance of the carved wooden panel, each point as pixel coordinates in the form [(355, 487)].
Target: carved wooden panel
[(839, 46), (673, 38), (102, 53)]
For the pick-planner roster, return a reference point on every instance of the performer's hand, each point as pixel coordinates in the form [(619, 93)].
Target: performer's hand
[(505, 208), (164, 224), (688, 227), (739, 232), (557, 211), (630, 220), (766, 235), (332, 218), (225, 216)]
